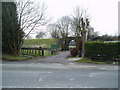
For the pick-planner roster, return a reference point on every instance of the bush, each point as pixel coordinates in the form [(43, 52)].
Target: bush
[(74, 52), (105, 49)]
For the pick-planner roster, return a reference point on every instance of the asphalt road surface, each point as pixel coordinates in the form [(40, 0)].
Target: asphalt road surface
[(58, 72), (53, 75)]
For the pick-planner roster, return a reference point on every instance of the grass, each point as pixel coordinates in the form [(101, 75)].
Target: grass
[(87, 60), (44, 43), (73, 57), (10, 57), (72, 46), (25, 56)]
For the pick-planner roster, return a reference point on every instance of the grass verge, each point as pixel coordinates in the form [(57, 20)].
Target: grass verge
[(10, 57), (25, 56), (87, 60)]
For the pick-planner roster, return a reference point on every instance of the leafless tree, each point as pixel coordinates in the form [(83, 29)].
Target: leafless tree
[(28, 37), (40, 35), (61, 28), (76, 20), (31, 15), (80, 24), (64, 25), (84, 31), (53, 30)]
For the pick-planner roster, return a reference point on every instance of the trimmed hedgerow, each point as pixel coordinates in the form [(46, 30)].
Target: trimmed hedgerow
[(109, 49)]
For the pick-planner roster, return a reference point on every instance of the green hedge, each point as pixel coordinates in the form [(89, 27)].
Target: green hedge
[(110, 49)]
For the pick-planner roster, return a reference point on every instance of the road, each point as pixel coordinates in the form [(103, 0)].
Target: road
[(57, 72), (58, 76)]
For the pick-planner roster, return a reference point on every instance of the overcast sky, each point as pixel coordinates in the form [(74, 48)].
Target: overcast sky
[(103, 13)]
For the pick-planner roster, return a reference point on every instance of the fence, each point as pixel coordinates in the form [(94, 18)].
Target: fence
[(36, 51)]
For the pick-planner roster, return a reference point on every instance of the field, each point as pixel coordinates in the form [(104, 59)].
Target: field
[(44, 43)]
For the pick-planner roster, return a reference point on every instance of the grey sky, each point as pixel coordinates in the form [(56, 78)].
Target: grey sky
[(103, 13)]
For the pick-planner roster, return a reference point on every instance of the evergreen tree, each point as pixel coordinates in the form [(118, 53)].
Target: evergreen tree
[(12, 35)]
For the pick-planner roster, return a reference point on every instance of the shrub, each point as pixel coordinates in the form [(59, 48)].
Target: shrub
[(74, 52), (108, 49)]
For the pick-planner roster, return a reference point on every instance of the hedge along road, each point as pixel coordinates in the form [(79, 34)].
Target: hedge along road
[(57, 72)]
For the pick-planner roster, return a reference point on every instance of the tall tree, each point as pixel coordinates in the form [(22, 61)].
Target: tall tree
[(80, 24), (64, 26), (54, 31), (61, 28), (31, 15), (19, 17), (11, 33), (78, 14), (85, 24)]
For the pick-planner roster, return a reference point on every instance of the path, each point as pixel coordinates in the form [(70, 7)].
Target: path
[(60, 58)]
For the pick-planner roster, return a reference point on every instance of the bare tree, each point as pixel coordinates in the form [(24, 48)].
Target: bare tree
[(61, 28), (85, 25), (80, 24), (40, 35), (76, 20), (28, 37), (64, 26), (54, 30), (31, 15)]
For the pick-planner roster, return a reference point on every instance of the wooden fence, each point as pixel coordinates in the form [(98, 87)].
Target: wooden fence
[(36, 51)]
